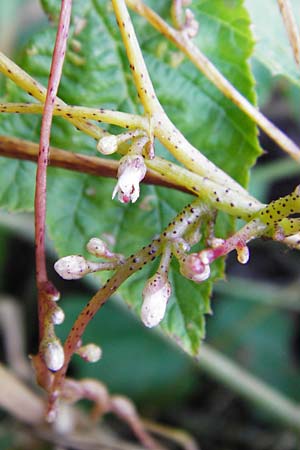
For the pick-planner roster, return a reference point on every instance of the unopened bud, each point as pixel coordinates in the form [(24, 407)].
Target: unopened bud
[(53, 354), (58, 316), (108, 145), (156, 294), (132, 170), (191, 24), (243, 254), (90, 352), (98, 248), (216, 242), (72, 267), (193, 267)]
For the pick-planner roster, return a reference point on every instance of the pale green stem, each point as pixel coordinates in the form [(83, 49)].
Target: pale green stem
[(218, 196), (28, 84), (160, 124), (291, 27), (249, 387), (185, 44), (121, 119)]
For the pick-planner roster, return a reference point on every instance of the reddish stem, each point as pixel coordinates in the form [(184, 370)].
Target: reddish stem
[(43, 285)]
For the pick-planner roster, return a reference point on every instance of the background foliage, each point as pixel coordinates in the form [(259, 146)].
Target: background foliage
[(249, 323)]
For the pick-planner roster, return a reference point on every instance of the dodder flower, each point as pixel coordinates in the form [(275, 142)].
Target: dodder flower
[(156, 294), (90, 352), (132, 170), (194, 268)]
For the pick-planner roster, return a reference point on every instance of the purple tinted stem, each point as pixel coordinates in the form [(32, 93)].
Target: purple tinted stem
[(41, 174)]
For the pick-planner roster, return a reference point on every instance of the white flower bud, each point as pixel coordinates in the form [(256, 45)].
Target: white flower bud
[(243, 254), (72, 267), (97, 247), (53, 354), (193, 267), (132, 170), (90, 352), (108, 145), (156, 294), (58, 316), (191, 25)]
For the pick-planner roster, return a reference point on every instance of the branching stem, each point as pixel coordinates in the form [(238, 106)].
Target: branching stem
[(36, 90), (186, 45)]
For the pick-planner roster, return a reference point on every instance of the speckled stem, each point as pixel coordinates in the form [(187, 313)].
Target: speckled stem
[(121, 119), (266, 219), (36, 90), (41, 175), (186, 45), (218, 196), (160, 124), (175, 229)]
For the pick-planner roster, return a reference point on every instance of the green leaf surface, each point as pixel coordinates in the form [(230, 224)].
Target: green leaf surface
[(96, 73), (272, 45)]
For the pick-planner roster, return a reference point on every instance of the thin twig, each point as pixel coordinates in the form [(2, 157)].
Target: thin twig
[(185, 44), (45, 304), (291, 27), (15, 148), (159, 172), (41, 176)]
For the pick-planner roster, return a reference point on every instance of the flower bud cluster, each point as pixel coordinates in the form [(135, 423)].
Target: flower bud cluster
[(191, 26), (74, 267)]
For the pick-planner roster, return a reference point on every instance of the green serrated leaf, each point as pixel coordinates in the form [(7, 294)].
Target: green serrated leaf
[(273, 49), (96, 73)]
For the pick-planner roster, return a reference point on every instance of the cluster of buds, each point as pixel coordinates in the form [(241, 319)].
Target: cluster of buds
[(191, 26), (74, 267), (131, 171), (51, 348)]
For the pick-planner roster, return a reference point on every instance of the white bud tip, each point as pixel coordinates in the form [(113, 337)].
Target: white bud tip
[(156, 295), (243, 254), (72, 267), (90, 352), (108, 145), (58, 316), (54, 355), (96, 247)]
